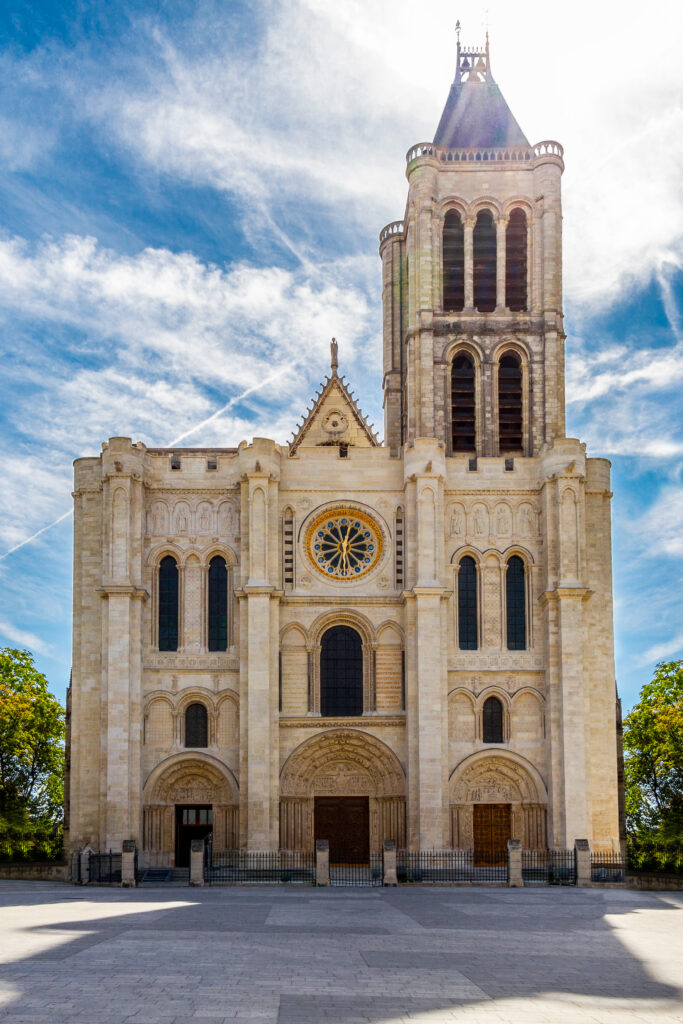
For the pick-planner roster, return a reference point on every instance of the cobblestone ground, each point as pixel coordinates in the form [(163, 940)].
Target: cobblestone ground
[(338, 956)]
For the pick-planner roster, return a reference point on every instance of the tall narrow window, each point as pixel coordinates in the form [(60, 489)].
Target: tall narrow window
[(515, 600), (485, 262), (467, 604), (463, 428), (399, 549), (196, 726), (288, 548), (168, 604), (493, 721), (509, 404), (218, 604), (515, 262), (453, 262), (341, 672)]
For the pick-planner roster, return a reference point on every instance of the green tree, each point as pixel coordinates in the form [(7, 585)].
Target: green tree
[(653, 759), (31, 747)]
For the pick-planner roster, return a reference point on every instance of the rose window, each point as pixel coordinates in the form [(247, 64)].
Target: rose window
[(344, 544)]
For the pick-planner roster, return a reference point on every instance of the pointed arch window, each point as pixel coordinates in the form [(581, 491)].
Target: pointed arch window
[(218, 604), (484, 262), (453, 262), (463, 410), (510, 403), (492, 721), (515, 603), (196, 726), (341, 672), (168, 604), (515, 262), (467, 604)]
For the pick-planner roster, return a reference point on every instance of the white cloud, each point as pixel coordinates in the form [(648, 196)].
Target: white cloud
[(23, 639), (661, 651), (663, 523)]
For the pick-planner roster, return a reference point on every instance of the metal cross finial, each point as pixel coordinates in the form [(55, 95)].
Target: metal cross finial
[(334, 362), (457, 29)]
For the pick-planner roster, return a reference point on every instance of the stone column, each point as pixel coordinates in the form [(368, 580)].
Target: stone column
[(260, 646), (197, 862), (322, 862), (515, 863), (427, 715), (501, 231), (468, 232)]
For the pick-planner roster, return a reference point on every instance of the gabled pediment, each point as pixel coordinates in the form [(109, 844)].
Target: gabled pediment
[(334, 419)]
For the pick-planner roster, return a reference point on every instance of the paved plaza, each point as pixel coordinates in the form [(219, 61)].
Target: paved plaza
[(338, 956)]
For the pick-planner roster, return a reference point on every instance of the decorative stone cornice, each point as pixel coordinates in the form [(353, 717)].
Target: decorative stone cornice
[(320, 723), (562, 593), (136, 593)]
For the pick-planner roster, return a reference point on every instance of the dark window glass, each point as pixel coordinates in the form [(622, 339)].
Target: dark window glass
[(516, 604), (168, 604), (341, 672), (196, 726), (484, 263), (462, 404), (493, 721), (515, 262), (467, 604), (218, 604), (453, 262), (510, 403)]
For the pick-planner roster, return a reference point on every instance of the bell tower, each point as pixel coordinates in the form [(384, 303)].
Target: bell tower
[(472, 282)]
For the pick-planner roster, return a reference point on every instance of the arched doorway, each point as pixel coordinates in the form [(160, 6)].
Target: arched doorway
[(348, 784), (341, 673), (496, 797), (187, 797)]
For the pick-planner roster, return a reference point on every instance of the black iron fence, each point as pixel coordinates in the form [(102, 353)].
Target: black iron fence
[(607, 866), (358, 874), (245, 867), (549, 867), (446, 866), (104, 868), (35, 846)]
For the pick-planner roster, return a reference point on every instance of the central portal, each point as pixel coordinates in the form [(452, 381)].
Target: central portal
[(491, 834), (345, 822), (191, 823)]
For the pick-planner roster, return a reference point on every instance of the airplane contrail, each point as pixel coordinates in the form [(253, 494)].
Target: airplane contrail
[(23, 543), (181, 437)]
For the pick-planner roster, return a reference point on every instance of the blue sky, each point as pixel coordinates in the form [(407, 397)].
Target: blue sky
[(190, 199)]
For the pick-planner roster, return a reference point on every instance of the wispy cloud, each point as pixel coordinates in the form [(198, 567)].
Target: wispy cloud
[(23, 639)]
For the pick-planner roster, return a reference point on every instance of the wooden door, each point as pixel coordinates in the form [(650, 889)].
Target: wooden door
[(345, 822), (491, 833)]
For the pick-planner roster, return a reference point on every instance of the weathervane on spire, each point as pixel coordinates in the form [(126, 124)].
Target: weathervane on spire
[(334, 361)]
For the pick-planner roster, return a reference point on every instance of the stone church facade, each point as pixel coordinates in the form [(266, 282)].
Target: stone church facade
[(343, 639)]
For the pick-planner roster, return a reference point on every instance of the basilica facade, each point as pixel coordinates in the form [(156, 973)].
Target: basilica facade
[(352, 640)]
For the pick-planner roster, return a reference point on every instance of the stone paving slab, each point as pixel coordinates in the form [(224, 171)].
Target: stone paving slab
[(291, 956)]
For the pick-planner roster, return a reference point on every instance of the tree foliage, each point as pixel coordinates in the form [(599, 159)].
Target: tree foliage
[(31, 746), (653, 758)]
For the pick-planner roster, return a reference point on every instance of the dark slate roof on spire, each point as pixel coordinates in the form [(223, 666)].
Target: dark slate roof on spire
[(476, 114)]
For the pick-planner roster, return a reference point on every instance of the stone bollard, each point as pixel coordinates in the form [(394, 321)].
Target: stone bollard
[(515, 862), (389, 862), (197, 862), (128, 880), (322, 862), (582, 852)]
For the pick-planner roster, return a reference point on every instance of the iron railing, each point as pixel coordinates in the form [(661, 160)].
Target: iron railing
[(104, 868), (435, 865), (607, 866), (549, 867), (368, 874), (250, 867)]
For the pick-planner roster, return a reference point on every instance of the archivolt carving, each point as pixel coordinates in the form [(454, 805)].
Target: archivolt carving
[(190, 780), (496, 779), (342, 762)]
